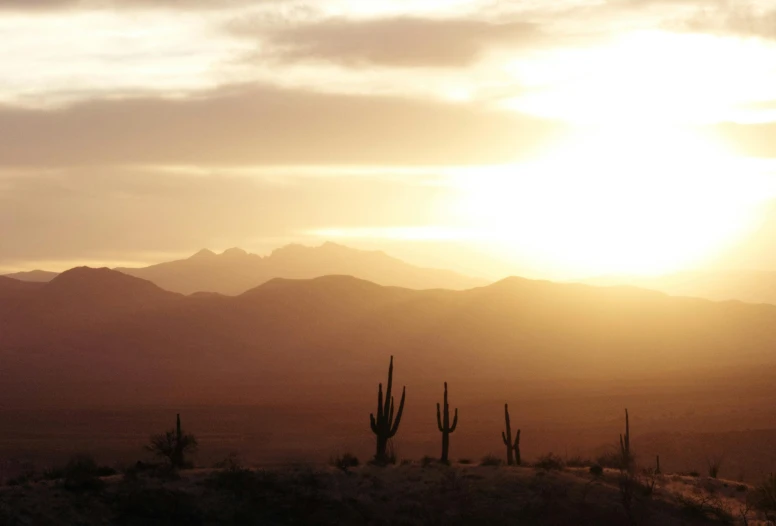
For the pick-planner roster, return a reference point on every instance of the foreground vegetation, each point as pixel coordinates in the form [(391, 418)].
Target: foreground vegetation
[(410, 493)]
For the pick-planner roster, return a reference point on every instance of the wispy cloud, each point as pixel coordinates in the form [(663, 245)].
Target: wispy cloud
[(397, 42)]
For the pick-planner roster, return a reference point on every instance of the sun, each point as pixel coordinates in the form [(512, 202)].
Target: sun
[(616, 200)]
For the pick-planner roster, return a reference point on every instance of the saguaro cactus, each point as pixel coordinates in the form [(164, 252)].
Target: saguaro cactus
[(507, 437), (384, 426), (445, 427), (625, 450)]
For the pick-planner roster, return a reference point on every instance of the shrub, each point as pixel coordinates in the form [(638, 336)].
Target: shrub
[(579, 462), (345, 461), (596, 470), (714, 464), (549, 462), (82, 474), (611, 459), (763, 496), (465, 461), (491, 460), (427, 461), (174, 446)]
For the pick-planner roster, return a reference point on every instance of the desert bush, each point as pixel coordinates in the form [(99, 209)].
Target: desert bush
[(596, 470), (27, 474), (579, 462), (611, 459), (491, 460), (706, 507), (763, 497), (549, 462), (174, 446), (427, 461), (344, 461), (714, 464), (82, 474), (465, 461)]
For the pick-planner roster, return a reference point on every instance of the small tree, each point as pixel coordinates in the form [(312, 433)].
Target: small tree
[(173, 445)]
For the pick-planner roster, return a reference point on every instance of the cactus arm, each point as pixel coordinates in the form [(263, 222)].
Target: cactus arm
[(380, 402), (388, 389), (396, 422), (504, 438), (455, 421), (373, 424)]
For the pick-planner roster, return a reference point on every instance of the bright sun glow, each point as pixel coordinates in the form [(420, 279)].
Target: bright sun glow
[(617, 200)]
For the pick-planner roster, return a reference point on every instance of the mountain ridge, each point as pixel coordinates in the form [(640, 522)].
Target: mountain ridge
[(236, 271)]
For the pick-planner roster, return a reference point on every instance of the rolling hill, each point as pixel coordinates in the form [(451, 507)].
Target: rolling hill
[(569, 356)]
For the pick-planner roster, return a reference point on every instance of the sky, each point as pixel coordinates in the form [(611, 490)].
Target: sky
[(550, 139)]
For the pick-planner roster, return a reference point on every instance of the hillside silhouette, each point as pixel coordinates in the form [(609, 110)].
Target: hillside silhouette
[(304, 354), (306, 330)]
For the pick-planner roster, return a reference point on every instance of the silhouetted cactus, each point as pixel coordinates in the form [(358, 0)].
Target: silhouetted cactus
[(445, 427), (173, 445), (507, 437), (384, 426), (625, 450)]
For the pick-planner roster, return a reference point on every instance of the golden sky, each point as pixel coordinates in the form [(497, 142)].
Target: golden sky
[(550, 139)]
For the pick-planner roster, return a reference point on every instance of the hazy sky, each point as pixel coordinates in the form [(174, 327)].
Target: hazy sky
[(553, 139)]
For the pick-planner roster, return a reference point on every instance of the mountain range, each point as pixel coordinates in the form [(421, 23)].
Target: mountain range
[(236, 271), (99, 334), (750, 286)]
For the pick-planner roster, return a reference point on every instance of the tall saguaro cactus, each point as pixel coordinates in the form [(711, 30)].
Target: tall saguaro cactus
[(384, 426), (445, 427), (507, 437), (625, 450)]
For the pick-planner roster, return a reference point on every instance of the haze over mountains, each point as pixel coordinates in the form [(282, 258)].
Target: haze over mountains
[(751, 286), (569, 356), (236, 271), (88, 325)]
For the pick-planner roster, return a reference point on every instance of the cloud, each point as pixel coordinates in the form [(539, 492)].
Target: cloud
[(396, 42), (47, 5), (745, 21), (260, 125)]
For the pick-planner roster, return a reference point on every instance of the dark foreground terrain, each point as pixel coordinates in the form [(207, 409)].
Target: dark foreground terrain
[(411, 493)]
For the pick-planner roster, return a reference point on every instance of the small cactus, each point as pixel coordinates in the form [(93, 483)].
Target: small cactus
[(445, 428), (513, 448), (384, 425), (174, 445), (625, 450)]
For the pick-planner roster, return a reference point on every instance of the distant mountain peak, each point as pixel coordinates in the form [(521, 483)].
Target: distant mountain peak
[(234, 252), (104, 281), (203, 254)]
